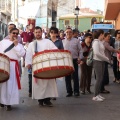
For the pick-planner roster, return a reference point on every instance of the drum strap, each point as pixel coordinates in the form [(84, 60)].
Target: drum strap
[(35, 46)]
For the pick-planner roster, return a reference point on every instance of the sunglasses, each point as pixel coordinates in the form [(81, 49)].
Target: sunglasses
[(15, 33)]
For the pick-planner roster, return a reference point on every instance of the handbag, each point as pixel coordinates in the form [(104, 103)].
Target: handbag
[(89, 60)]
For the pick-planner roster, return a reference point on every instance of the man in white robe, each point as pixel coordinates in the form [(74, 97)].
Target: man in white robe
[(9, 90), (42, 90)]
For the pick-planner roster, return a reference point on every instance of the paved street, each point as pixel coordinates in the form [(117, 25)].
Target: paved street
[(82, 108)]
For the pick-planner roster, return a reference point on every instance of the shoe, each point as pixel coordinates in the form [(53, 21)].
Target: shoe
[(88, 91), (118, 81), (2, 105), (30, 95), (53, 98), (48, 103), (101, 97), (69, 95), (76, 94), (8, 108), (82, 92), (97, 99), (40, 102), (114, 80), (105, 92)]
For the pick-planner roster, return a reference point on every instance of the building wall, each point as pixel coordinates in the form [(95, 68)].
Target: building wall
[(117, 25), (84, 23)]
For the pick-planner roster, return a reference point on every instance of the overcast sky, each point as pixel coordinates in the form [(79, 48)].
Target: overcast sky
[(93, 4)]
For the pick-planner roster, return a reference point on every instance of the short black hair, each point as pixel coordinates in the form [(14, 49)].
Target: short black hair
[(37, 27), (75, 31), (13, 30), (54, 29), (116, 32), (106, 34), (13, 25)]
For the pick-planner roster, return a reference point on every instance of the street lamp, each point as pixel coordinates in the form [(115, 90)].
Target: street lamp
[(76, 12)]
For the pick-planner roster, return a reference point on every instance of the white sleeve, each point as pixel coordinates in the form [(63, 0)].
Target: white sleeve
[(80, 51), (96, 51), (28, 57), (20, 51)]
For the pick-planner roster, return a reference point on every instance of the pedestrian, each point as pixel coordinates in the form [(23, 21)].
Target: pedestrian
[(9, 91), (108, 51), (116, 45), (99, 59), (74, 46), (42, 90), (86, 71)]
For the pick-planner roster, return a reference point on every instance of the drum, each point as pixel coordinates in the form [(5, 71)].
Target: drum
[(50, 64), (4, 68)]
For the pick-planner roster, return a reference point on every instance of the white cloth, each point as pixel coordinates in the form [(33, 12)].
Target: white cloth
[(99, 51), (42, 88), (9, 93)]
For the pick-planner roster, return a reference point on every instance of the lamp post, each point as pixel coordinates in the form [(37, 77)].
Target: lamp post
[(76, 12)]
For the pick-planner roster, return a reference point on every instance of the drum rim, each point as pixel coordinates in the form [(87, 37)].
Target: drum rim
[(53, 68), (48, 51), (3, 55)]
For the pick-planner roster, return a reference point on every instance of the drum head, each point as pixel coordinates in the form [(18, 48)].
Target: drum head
[(3, 77)]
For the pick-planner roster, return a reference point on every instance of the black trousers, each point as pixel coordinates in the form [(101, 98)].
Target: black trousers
[(105, 77), (115, 68), (30, 82), (68, 79)]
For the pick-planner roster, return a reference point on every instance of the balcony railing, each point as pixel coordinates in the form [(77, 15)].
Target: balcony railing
[(5, 6)]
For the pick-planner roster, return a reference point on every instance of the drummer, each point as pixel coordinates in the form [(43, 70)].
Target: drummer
[(9, 91), (42, 90)]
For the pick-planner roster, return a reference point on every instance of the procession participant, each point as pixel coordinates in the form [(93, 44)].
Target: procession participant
[(9, 91), (74, 46), (10, 26), (42, 90)]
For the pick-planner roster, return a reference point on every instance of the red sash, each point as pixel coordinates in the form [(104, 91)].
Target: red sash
[(17, 72)]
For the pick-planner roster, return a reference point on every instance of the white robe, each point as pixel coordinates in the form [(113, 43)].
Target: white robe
[(42, 88), (9, 93)]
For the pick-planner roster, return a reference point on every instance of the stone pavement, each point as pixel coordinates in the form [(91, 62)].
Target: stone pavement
[(82, 108)]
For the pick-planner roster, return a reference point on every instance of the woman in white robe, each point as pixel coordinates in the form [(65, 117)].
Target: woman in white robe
[(42, 90), (9, 91)]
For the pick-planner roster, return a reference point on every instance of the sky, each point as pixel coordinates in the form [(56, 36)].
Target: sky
[(93, 4)]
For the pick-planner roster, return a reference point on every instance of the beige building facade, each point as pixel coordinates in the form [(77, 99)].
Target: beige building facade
[(112, 12)]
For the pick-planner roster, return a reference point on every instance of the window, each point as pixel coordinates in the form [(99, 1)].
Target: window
[(67, 22)]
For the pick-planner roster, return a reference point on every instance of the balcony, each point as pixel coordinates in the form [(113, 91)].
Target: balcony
[(112, 9), (5, 7)]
